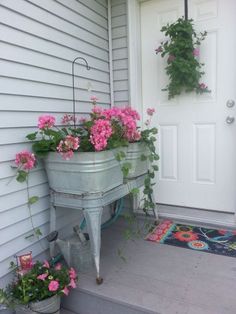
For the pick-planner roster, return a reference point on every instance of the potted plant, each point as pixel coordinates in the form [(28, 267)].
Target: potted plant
[(38, 289), (93, 154), (181, 48)]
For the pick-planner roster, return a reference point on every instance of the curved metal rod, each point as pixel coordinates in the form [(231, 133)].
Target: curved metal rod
[(73, 80)]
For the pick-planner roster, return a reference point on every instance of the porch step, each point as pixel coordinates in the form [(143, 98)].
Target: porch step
[(95, 301), (63, 311)]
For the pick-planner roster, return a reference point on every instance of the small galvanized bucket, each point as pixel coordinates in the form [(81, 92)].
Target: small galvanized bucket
[(48, 306)]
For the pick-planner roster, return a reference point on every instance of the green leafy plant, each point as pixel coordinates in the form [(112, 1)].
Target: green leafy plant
[(182, 50), (39, 282)]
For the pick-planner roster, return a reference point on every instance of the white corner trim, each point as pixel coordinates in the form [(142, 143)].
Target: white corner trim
[(134, 54), (110, 52)]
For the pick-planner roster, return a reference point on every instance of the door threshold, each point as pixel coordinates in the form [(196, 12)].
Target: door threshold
[(197, 216)]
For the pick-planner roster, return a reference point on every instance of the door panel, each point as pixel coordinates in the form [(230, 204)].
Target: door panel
[(197, 147)]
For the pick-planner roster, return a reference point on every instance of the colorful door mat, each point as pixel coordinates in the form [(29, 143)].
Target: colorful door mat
[(222, 242)]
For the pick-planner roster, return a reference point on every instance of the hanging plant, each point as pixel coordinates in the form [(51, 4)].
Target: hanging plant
[(182, 51)]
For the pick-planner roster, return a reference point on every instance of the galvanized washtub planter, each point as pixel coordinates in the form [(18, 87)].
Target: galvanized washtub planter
[(133, 156), (86, 172)]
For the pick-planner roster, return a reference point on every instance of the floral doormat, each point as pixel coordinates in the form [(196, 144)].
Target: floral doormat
[(220, 241)]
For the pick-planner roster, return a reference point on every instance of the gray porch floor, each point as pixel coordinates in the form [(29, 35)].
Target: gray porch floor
[(162, 279)]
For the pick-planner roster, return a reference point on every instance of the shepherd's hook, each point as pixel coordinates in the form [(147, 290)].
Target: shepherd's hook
[(73, 80)]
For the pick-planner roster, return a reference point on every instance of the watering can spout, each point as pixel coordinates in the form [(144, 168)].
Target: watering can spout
[(52, 236)]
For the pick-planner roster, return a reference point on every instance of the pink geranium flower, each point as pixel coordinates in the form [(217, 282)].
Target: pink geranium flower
[(53, 285), (97, 110), (46, 121), (68, 118), (94, 99), (42, 277), (100, 133), (25, 159), (67, 146)]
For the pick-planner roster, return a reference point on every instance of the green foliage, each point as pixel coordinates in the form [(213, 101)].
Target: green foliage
[(126, 168), (183, 67), (149, 139), (27, 287), (33, 199), (21, 176)]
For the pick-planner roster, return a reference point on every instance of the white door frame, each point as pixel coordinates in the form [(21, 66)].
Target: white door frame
[(135, 99)]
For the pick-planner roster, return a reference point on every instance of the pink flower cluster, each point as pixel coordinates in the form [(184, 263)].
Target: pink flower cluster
[(46, 121), (68, 118), (54, 283), (196, 52), (25, 160), (100, 133), (94, 100), (151, 111), (159, 49), (67, 146), (128, 118)]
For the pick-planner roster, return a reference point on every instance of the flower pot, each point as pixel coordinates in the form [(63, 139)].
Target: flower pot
[(86, 172), (133, 156), (47, 306)]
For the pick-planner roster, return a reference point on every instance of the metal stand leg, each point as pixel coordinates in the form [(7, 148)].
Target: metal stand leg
[(52, 228), (93, 220)]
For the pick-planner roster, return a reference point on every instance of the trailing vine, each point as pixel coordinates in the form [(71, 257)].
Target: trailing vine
[(182, 50)]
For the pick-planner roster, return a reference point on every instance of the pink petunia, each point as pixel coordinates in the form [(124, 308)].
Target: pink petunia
[(171, 58), (202, 86), (150, 111), (25, 159), (66, 290), (53, 285), (46, 122), (196, 52), (72, 283), (58, 266), (159, 49), (42, 277), (46, 264), (72, 273)]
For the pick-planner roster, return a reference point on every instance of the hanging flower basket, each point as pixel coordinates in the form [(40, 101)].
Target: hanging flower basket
[(181, 48)]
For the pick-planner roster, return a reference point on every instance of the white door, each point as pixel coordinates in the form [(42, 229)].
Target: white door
[(197, 147)]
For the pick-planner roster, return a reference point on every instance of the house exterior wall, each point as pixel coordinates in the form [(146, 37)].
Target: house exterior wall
[(120, 52), (39, 39)]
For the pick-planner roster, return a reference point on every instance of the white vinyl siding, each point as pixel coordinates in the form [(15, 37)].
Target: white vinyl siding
[(120, 52), (38, 41)]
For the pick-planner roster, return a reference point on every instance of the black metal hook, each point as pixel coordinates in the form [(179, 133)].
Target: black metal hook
[(186, 9), (73, 80)]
